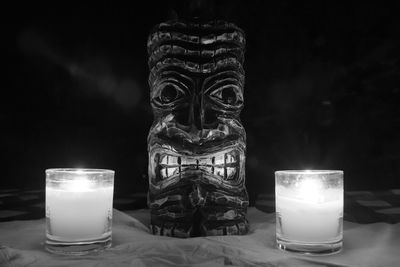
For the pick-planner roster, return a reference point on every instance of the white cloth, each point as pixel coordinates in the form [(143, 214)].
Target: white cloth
[(22, 244)]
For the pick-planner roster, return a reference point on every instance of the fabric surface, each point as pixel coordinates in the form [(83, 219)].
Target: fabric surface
[(22, 244)]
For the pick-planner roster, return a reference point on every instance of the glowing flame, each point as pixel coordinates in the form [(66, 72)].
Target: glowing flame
[(80, 184), (311, 190)]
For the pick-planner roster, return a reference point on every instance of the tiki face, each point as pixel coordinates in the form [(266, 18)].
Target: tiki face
[(197, 144)]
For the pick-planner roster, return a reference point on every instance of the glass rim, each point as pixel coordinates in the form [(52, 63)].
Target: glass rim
[(312, 172), (79, 171)]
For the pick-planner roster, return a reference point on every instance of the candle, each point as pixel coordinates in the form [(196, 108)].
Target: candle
[(78, 210), (309, 211)]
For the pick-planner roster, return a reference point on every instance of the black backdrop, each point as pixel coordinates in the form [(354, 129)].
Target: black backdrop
[(322, 89)]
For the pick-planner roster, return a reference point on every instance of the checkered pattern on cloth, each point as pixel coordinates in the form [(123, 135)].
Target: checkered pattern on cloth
[(360, 206)]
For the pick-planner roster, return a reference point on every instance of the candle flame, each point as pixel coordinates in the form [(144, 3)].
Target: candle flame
[(80, 184), (311, 190)]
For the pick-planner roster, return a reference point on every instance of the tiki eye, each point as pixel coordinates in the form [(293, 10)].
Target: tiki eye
[(228, 95), (169, 94)]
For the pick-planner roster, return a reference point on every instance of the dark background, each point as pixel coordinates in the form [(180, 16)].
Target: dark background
[(322, 88)]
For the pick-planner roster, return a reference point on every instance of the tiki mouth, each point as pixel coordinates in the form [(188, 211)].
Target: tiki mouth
[(222, 165)]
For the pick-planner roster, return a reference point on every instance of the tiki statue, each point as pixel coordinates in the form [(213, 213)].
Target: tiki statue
[(197, 143)]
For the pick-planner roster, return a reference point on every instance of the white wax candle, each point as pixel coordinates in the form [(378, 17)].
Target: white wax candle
[(309, 212), (79, 210)]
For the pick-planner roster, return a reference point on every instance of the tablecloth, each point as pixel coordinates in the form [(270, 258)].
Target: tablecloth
[(376, 244)]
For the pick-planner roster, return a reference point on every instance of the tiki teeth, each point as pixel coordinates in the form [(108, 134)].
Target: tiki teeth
[(217, 160), (208, 169), (226, 173), (219, 171), (189, 161), (229, 158), (221, 164), (230, 172), (168, 172), (164, 160)]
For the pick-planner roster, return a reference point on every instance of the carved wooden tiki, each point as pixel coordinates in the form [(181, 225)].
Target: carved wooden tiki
[(197, 143)]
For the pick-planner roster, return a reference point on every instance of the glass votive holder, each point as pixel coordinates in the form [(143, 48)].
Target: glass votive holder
[(309, 211), (78, 210)]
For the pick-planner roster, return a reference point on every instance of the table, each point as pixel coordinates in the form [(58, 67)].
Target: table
[(371, 236)]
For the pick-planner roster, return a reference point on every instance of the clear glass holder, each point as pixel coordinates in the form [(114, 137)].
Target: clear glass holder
[(78, 210), (313, 249), (78, 247), (309, 211)]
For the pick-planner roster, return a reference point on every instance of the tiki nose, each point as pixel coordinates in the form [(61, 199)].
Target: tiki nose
[(197, 114), (201, 116), (196, 119), (191, 116)]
